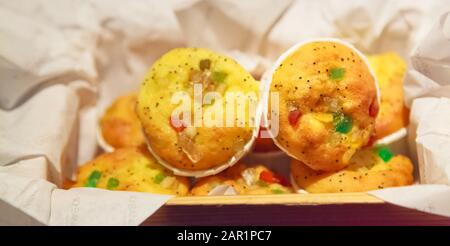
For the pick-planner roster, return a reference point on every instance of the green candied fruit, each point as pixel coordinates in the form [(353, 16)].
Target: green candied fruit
[(342, 123), (204, 64), (112, 183), (262, 183), (219, 76), (159, 178), (337, 73), (93, 179), (384, 153), (277, 191)]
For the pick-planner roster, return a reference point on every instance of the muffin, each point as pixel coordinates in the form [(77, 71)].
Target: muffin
[(130, 169), (189, 134), (252, 180), (369, 169), (390, 70), (327, 103), (119, 126)]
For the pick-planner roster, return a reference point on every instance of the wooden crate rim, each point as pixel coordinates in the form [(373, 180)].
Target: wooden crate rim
[(286, 199)]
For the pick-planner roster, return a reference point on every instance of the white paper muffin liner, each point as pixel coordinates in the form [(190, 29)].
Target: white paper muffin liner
[(104, 145), (295, 186), (266, 80), (397, 142), (101, 140), (223, 190)]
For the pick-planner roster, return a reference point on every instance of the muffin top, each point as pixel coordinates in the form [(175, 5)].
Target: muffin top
[(130, 169), (369, 169), (120, 127), (327, 104), (203, 137)]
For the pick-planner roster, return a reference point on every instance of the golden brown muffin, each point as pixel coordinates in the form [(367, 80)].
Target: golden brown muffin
[(370, 169), (120, 126), (253, 180), (390, 70), (327, 104), (190, 147), (130, 169)]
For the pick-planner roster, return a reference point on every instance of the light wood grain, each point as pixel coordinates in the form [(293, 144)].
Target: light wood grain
[(287, 199)]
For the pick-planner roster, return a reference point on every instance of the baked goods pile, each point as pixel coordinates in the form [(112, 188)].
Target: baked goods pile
[(334, 104)]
